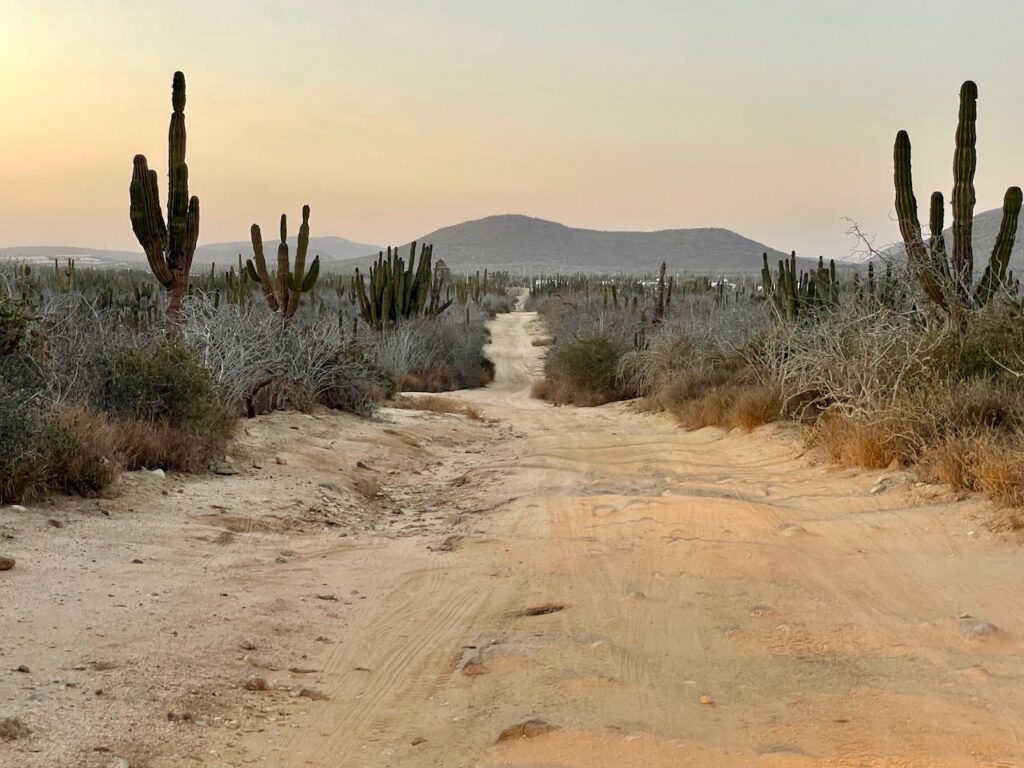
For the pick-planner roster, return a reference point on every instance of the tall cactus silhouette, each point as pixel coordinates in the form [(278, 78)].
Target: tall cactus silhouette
[(948, 279), (169, 246), (284, 291)]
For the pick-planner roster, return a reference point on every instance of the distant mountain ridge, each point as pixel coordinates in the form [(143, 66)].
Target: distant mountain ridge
[(330, 249), (520, 244), (526, 244)]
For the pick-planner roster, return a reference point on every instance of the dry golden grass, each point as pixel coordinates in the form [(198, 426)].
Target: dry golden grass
[(872, 445), (436, 404), (734, 406), (560, 392), (151, 445)]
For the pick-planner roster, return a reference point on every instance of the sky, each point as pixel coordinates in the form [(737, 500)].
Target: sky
[(392, 118)]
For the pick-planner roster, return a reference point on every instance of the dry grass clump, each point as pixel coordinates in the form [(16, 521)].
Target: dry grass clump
[(869, 445), (435, 404), (732, 406), (986, 462)]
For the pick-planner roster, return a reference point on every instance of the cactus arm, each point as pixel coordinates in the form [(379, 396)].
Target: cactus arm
[(995, 276), (147, 219), (259, 272), (312, 275)]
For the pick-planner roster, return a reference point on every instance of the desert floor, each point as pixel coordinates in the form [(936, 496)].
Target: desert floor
[(546, 587)]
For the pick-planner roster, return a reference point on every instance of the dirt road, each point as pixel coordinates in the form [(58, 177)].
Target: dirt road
[(561, 587)]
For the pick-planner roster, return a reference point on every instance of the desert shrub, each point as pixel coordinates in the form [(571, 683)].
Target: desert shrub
[(588, 370), (261, 364), (870, 445), (436, 354), (14, 320), (161, 381), (83, 451), (69, 450)]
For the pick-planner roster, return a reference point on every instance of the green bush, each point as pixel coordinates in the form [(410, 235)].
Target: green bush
[(162, 382)]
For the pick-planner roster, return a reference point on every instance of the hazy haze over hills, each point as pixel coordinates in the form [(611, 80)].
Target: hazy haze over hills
[(522, 243)]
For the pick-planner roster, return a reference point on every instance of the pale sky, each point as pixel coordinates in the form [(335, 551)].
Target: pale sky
[(392, 117)]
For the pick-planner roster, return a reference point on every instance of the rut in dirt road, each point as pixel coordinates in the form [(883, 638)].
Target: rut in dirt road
[(637, 595)]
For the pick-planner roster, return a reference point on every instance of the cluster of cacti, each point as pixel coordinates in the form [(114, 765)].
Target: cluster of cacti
[(169, 246), (283, 291), (469, 287), (794, 294), (948, 279), (64, 279), (396, 292), (887, 291)]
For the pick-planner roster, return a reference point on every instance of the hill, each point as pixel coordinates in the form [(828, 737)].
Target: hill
[(525, 244), (983, 236), (330, 249)]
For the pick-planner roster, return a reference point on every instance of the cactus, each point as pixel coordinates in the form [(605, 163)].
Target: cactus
[(283, 292), (795, 294), (169, 246), (396, 293), (659, 307), (948, 279)]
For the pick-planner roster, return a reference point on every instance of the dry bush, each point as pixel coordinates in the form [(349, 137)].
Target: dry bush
[(731, 406), (986, 461), (436, 404), (755, 406), (869, 445), (151, 445), (84, 456)]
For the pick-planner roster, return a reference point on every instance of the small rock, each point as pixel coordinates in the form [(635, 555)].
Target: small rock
[(18, 508), (280, 460), (54, 523), (255, 683), (23, 668), (707, 701), (314, 694), (224, 469), (326, 596), (279, 559), (6, 563), (974, 629), (287, 553), (417, 741), (474, 666), (11, 728), (137, 561), (527, 730), (247, 645), (159, 474)]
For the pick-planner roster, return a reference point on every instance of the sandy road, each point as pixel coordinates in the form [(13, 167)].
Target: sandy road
[(655, 597), (700, 599)]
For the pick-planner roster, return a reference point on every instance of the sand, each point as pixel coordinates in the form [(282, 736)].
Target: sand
[(550, 587)]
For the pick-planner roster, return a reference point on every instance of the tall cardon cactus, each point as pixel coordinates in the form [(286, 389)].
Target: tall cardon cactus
[(947, 279), (169, 246)]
